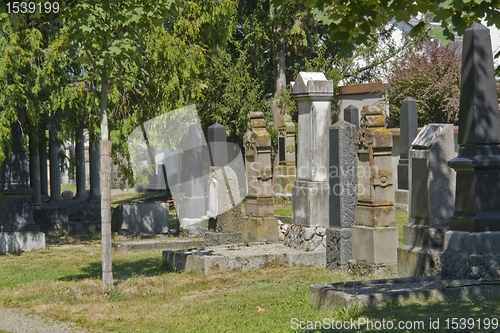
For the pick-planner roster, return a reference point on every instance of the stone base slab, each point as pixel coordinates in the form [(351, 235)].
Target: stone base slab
[(418, 261), (376, 293), (259, 206), (338, 248), (305, 238), (11, 242), (310, 202), (375, 245), (222, 238), (260, 229), (154, 244), (471, 255), (236, 257)]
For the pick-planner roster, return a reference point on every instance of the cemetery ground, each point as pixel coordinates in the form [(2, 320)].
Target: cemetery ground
[(63, 283)]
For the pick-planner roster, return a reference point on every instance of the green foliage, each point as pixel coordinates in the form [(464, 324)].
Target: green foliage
[(432, 77)]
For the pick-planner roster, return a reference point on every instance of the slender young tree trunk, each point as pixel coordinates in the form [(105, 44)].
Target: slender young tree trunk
[(107, 268)]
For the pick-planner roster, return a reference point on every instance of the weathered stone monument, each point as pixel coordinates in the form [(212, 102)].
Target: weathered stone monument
[(374, 235), (432, 201), (343, 195), (286, 174), (310, 191), (408, 131), (259, 223), (224, 209), (194, 180), (140, 218), (472, 245), (351, 115), (18, 230)]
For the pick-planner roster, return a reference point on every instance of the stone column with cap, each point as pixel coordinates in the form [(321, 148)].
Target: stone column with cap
[(259, 223), (310, 191), (472, 245), (375, 234), (286, 174)]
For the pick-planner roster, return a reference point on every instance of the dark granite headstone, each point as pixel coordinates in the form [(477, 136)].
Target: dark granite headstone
[(351, 115), (217, 141), (408, 132)]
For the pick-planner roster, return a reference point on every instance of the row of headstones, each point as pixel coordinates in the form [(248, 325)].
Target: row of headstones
[(452, 230)]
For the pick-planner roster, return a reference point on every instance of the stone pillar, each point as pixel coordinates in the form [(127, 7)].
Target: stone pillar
[(194, 180), (343, 195), (217, 143), (42, 150), (35, 168), (259, 224), (81, 193), (351, 115), (472, 245), (94, 163), (18, 230), (55, 172), (432, 201), (310, 191), (374, 235), (408, 130), (286, 175)]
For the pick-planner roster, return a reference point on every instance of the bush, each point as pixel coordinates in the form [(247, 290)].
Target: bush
[(431, 75)]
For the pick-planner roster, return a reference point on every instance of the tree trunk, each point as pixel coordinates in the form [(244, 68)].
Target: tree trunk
[(107, 267)]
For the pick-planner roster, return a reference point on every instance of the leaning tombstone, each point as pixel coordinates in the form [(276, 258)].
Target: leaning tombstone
[(432, 201), (343, 195), (472, 245), (408, 130), (259, 223), (375, 234)]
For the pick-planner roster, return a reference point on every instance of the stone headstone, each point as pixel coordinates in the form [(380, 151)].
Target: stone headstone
[(217, 143), (67, 195), (351, 115), (408, 132), (343, 195), (374, 235), (286, 173), (432, 201), (140, 217), (313, 93), (259, 223), (194, 180), (472, 245)]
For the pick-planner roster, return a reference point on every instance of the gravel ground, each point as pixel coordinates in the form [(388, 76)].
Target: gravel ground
[(17, 322)]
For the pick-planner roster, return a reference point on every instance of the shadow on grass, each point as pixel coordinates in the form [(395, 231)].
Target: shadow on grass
[(479, 315), (121, 270)]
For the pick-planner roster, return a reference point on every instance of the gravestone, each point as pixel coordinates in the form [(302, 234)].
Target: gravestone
[(374, 235), (343, 195), (472, 245), (432, 201), (259, 223), (313, 92), (140, 217), (285, 175), (18, 230), (408, 131), (224, 209), (194, 180), (351, 115)]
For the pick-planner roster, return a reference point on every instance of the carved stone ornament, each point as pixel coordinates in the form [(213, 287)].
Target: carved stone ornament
[(364, 137), (290, 148), (249, 141)]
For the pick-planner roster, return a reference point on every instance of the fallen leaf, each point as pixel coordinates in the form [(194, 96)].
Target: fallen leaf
[(279, 282), (259, 309), (301, 281)]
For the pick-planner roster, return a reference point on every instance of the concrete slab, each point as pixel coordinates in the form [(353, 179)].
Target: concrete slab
[(375, 293), (138, 245), (11, 242), (240, 257)]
